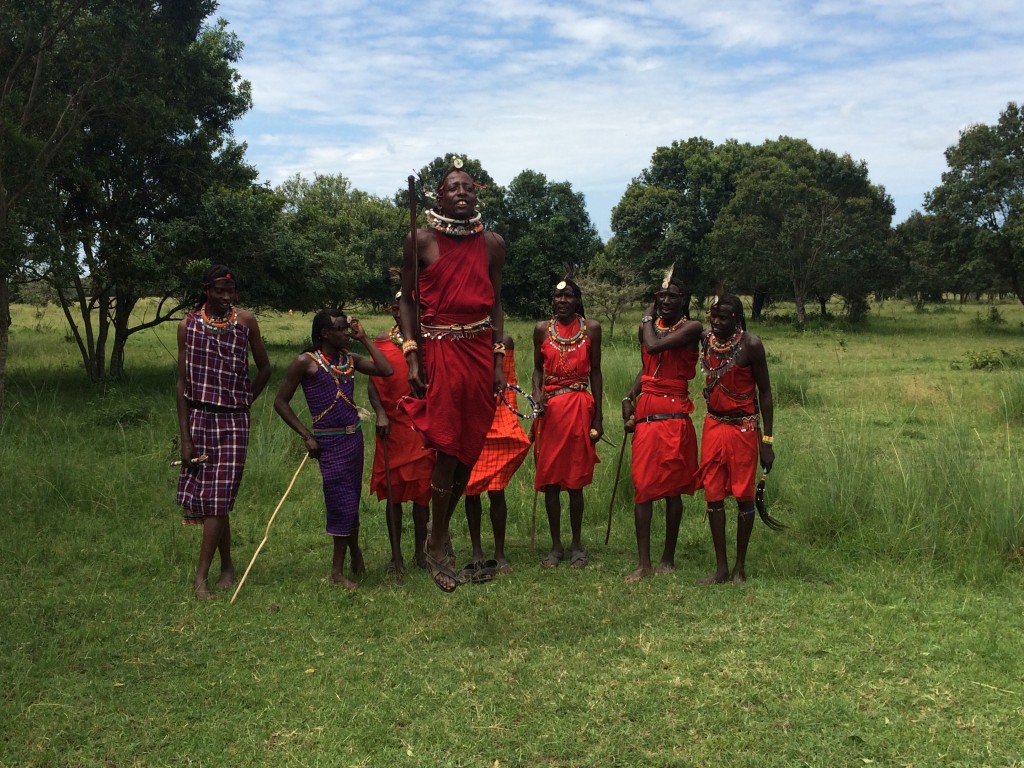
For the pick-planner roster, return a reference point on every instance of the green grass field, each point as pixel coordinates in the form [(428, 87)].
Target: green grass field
[(883, 628)]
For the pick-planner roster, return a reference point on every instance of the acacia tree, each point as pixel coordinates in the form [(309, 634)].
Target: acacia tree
[(802, 223), (984, 190), (610, 285), (546, 228)]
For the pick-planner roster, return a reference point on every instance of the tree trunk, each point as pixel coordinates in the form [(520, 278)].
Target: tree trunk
[(123, 306), (823, 303), (801, 311), (5, 332), (761, 300)]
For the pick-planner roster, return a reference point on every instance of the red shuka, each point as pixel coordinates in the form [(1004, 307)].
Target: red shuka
[(729, 452), (506, 444), (458, 408)]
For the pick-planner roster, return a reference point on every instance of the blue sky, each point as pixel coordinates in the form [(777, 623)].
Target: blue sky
[(585, 91)]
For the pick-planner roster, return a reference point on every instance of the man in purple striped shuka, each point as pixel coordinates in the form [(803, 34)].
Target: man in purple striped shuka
[(213, 398)]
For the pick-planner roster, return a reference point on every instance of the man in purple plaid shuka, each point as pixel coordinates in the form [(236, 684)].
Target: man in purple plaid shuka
[(213, 398)]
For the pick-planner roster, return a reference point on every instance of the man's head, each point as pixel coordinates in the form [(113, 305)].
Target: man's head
[(566, 299), (220, 288), (726, 315), (396, 309), (673, 300), (456, 195), (330, 325)]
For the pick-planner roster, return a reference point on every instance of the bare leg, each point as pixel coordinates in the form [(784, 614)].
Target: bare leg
[(499, 520), (553, 506), (213, 531), (642, 520), (716, 521), (474, 511), (441, 498), (394, 521), (744, 527), (227, 567), (420, 515), (577, 555), (358, 565), (673, 517), (341, 544)]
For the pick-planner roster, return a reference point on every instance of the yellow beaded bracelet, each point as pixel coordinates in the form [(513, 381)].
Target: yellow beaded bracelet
[(767, 439)]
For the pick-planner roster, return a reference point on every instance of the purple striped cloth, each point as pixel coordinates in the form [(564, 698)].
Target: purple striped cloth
[(341, 456), (209, 489)]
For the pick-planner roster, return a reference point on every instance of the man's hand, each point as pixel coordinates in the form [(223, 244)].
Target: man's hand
[(312, 446), (767, 456), (417, 380), (383, 427)]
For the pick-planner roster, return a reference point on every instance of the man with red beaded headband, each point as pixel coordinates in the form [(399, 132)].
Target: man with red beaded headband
[(657, 409), (738, 391), (213, 396), (453, 347)]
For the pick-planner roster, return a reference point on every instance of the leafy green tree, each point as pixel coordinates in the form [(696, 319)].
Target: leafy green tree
[(547, 229), (984, 190), (351, 240), (803, 223), (610, 286), (668, 211), (156, 141)]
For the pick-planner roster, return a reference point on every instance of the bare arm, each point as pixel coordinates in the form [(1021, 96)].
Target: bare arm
[(629, 403), (686, 335), (412, 252), (765, 401), (297, 371), (495, 268), (259, 352), (596, 377), (383, 422), (539, 334), (376, 364)]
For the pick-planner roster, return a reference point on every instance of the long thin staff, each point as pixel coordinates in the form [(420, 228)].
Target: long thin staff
[(615, 488), (415, 251), (533, 520), (269, 523)]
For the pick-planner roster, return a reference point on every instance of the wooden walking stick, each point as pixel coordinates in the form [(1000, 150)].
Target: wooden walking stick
[(533, 520), (415, 251), (269, 523), (615, 487)]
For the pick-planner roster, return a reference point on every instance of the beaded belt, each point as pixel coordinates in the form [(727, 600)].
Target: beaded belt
[(580, 387), (662, 417), (456, 331), (747, 422), (349, 429)]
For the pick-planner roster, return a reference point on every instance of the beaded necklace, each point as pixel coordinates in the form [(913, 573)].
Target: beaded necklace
[(661, 330), (395, 334), (218, 326), (567, 343), (725, 353), (454, 227), (341, 369)]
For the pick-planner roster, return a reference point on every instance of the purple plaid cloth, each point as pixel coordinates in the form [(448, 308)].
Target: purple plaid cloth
[(341, 456), (217, 365), (210, 488)]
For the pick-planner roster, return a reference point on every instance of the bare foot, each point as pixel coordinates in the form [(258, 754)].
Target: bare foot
[(339, 578), (665, 567), (358, 565), (738, 575), (718, 577), (396, 568), (227, 578), (420, 559), (504, 566), (640, 573), (202, 590)]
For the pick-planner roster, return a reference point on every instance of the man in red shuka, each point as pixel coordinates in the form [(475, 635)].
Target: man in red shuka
[(737, 389), (458, 370)]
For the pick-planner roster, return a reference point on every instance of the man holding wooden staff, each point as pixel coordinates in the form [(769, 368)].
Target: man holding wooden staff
[(452, 321)]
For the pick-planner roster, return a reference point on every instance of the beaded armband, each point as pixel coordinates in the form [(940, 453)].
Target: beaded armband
[(499, 348), (767, 439), (409, 345)]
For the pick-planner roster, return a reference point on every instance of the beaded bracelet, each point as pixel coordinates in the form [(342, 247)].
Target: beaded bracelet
[(499, 348), (767, 439), (409, 345)]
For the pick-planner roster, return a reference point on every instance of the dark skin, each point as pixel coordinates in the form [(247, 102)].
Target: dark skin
[(565, 306), (420, 512), (332, 341), (217, 530), (668, 305), (457, 200), (498, 509), (723, 324)]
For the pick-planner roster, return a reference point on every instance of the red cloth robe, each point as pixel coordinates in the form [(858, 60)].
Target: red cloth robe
[(565, 455), (457, 411), (506, 444), (729, 452), (665, 452), (411, 464)]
